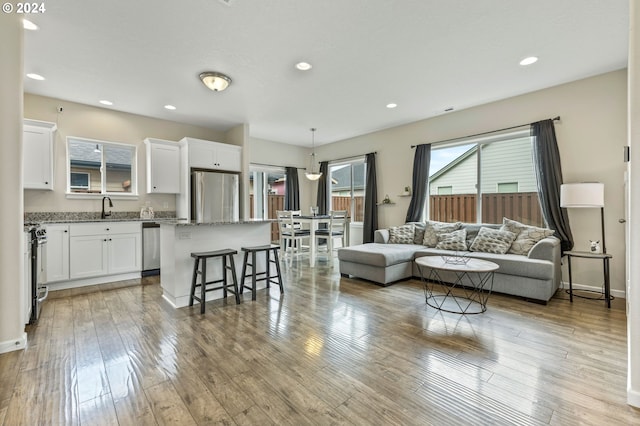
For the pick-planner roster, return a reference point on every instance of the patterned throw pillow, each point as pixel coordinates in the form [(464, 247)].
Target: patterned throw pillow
[(493, 241), (527, 235), (432, 230), (401, 234), (455, 240)]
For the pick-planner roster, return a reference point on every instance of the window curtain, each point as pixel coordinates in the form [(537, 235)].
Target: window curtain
[(420, 181), (323, 196), (370, 200), (292, 189), (546, 161)]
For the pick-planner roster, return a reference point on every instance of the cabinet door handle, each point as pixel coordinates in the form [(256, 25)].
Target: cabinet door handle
[(65, 231), (46, 183), (104, 240)]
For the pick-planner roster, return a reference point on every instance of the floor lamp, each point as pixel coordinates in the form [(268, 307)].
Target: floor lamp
[(586, 195)]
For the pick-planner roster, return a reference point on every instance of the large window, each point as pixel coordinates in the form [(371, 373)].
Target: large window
[(98, 167), (484, 181), (347, 182)]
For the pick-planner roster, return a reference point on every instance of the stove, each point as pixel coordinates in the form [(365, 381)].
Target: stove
[(39, 291)]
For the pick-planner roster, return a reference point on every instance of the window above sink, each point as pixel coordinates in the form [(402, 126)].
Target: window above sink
[(96, 168)]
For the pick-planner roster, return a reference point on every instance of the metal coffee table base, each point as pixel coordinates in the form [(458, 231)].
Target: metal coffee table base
[(473, 299)]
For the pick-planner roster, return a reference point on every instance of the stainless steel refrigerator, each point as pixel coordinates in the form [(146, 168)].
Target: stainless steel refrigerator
[(215, 197)]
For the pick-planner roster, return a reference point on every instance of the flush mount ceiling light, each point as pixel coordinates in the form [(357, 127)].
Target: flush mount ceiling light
[(35, 76), (312, 175), (106, 102), (170, 107), (215, 81), (528, 61), (303, 66), (391, 105)]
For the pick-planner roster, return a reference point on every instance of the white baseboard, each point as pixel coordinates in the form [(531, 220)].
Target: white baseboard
[(633, 398), (14, 345), (620, 294), (64, 285)]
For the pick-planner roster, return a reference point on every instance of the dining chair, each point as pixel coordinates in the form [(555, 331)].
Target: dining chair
[(291, 232), (336, 229)]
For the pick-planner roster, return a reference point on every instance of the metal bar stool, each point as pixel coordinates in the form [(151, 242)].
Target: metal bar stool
[(268, 250), (226, 256)]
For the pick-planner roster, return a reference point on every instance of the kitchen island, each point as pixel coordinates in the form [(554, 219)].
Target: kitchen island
[(178, 239)]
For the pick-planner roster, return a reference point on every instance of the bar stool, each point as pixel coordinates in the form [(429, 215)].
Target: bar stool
[(268, 250), (226, 256)]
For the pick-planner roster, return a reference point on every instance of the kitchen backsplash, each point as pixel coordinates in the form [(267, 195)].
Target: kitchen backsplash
[(71, 216)]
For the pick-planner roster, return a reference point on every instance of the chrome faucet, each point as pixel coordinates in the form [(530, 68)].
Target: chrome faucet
[(106, 214)]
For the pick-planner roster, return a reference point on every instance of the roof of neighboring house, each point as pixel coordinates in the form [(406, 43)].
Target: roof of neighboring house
[(454, 163), (341, 178)]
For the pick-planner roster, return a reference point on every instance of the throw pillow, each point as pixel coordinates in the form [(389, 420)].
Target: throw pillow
[(419, 232), (527, 235), (432, 230), (455, 240), (401, 234), (493, 241)]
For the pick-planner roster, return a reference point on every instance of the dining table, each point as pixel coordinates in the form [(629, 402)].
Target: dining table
[(313, 221)]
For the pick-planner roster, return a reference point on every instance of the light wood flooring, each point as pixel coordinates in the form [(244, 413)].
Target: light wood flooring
[(330, 351)]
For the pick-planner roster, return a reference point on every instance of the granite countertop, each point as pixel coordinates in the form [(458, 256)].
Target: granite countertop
[(159, 220), (185, 222)]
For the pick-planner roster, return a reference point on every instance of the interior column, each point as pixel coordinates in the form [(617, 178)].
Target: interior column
[(633, 288), (12, 335)]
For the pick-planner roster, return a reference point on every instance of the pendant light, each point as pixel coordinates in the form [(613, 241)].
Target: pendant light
[(312, 175)]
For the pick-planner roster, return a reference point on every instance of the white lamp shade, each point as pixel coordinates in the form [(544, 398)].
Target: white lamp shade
[(582, 195)]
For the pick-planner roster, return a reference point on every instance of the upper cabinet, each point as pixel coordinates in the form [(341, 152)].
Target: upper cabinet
[(213, 155), (37, 149), (163, 166)]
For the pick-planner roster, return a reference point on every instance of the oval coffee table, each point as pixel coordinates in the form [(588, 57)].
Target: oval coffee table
[(471, 279)]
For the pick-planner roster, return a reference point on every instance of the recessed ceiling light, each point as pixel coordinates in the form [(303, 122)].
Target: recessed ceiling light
[(106, 102), (303, 66), (28, 25), (391, 105), (35, 76), (528, 61), (170, 107)]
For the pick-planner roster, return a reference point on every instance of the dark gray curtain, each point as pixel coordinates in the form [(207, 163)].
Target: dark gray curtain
[(420, 181), (291, 189), (546, 161), (370, 201), (323, 196)]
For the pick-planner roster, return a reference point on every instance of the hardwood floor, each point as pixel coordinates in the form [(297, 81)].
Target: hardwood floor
[(330, 351)]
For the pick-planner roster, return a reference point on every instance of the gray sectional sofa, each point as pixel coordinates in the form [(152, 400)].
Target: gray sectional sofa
[(535, 276)]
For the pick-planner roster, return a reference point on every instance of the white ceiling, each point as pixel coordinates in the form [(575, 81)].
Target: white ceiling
[(424, 55)]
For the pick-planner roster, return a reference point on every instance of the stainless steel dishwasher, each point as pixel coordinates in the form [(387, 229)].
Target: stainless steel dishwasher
[(150, 249)]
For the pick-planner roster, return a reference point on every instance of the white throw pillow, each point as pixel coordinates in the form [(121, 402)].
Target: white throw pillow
[(433, 229), (401, 234), (492, 241), (527, 235), (455, 241)]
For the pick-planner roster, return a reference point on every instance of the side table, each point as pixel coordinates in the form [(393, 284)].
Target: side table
[(474, 278), (588, 255)]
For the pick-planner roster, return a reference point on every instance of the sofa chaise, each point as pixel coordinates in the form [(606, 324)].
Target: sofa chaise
[(534, 275)]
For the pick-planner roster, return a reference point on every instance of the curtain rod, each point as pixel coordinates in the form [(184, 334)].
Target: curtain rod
[(484, 133), (273, 165), (353, 156)]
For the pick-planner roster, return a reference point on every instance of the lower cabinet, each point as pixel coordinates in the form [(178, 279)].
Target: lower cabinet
[(56, 253), (104, 248)]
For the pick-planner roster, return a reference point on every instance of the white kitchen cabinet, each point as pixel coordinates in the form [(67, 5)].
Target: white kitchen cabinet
[(163, 166), (37, 150), (104, 248), (213, 155), (56, 253)]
